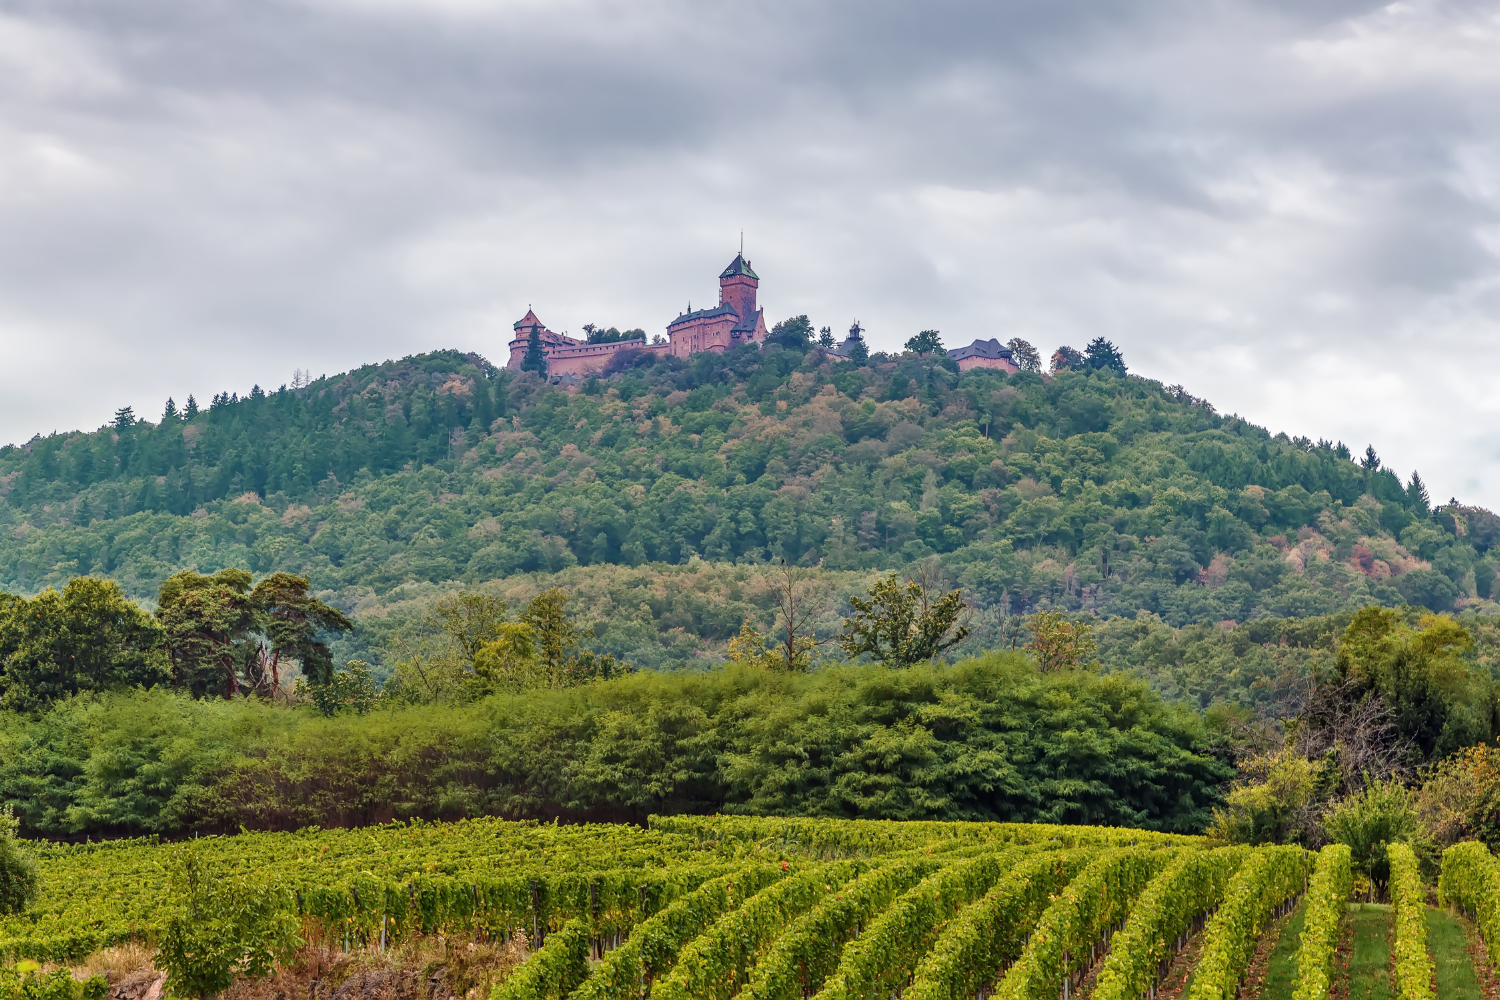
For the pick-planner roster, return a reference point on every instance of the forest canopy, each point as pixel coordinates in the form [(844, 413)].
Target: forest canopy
[(1084, 491)]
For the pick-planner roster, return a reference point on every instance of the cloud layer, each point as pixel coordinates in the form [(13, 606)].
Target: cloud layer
[(1291, 208)]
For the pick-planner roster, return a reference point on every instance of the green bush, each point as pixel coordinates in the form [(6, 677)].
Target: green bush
[(984, 739), (221, 929), (1368, 822), (18, 871)]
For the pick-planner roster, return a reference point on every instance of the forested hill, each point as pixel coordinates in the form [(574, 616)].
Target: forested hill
[(1086, 491)]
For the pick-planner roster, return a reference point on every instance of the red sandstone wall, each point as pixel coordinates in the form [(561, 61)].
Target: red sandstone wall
[(739, 292), (964, 364)]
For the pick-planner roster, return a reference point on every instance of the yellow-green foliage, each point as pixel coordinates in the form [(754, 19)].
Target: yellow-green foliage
[(1080, 917), (1190, 886), (713, 966), (1413, 966), (803, 957), (653, 944), (26, 982), (1327, 899), (555, 970), (1470, 880), (883, 957), (989, 934), (1270, 877)]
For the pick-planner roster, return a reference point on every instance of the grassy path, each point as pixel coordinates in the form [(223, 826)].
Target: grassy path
[(1364, 957), (1448, 942), (1279, 980)]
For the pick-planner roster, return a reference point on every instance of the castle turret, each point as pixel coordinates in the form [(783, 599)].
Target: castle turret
[(737, 287)]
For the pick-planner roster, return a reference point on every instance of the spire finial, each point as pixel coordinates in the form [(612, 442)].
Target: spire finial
[(742, 243)]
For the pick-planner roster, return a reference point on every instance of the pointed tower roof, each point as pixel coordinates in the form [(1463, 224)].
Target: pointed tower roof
[(739, 266), (529, 320)]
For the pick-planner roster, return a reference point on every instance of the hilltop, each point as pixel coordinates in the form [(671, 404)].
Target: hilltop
[(1088, 491)]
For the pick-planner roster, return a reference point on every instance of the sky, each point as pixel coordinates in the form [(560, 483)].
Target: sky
[(1289, 208)]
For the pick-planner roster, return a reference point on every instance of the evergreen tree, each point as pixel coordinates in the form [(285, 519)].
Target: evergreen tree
[(191, 410), (1371, 461), (1101, 355), (1416, 495), (257, 393), (535, 359), (170, 413), (859, 352), (124, 418), (825, 337)]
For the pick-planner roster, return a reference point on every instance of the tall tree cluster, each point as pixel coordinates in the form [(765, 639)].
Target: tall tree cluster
[(215, 635)]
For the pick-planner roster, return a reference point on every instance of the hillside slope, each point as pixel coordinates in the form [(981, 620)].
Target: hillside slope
[(1084, 491)]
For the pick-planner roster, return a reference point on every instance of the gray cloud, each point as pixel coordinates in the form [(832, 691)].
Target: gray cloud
[(1289, 207)]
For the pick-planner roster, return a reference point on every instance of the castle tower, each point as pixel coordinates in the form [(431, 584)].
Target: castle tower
[(737, 287)]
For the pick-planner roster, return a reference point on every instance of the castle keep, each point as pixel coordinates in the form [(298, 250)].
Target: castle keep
[(734, 321)]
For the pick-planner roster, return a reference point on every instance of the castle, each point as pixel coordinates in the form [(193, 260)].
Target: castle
[(734, 321)]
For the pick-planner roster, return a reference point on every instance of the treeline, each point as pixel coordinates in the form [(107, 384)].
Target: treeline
[(1086, 491), (991, 738)]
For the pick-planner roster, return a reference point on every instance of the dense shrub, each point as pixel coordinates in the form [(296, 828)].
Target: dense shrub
[(988, 738)]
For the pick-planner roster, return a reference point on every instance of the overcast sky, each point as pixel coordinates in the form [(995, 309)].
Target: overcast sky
[(1293, 208)]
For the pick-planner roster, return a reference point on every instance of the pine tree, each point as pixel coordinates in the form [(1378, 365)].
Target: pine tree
[(1101, 355), (859, 352), (124, 418), (191, 410), (170, 413), (825, 337), (1371, 461), (1416, 494), (257, 393), (535, 359)]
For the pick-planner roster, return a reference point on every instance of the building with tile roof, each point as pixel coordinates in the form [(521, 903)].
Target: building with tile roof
[(983, 354)]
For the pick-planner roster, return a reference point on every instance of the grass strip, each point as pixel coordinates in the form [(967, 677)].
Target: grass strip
[(1449, 945)]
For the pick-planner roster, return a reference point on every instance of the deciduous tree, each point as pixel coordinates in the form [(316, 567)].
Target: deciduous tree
[(88, 637), (1058, 642), (899, 625)]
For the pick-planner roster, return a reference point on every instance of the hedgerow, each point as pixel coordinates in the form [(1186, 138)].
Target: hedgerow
[(555, 970), (1470, 880), (714, 965), (651, 949), (1259, 890), (1079, 919), (1327, 899), (989, 934), (1409, 899), (1180, 896), (808, 952), (883, 957)]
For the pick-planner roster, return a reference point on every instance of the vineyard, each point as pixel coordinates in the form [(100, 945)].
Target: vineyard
[(695, 908)]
